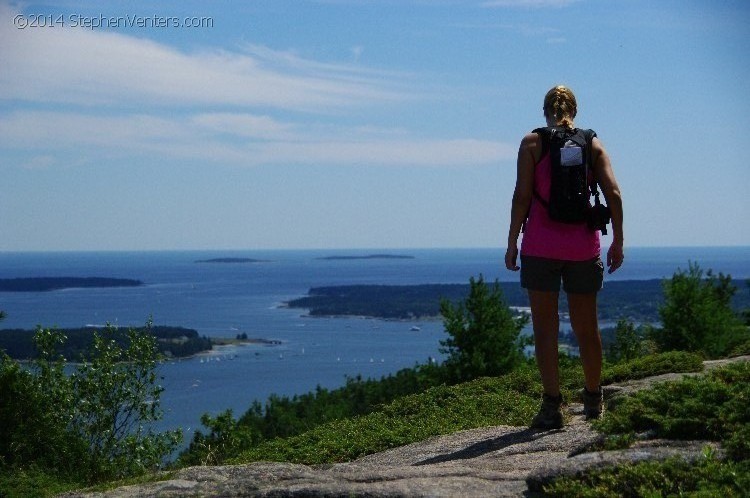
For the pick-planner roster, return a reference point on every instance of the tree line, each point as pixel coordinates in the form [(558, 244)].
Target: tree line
[(170, 341), (637, 300)]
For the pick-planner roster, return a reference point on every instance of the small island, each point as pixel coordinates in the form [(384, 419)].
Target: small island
[(368, 256), (45, 284), (233, 260)]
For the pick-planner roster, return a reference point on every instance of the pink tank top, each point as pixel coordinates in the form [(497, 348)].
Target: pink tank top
[(545, 238)]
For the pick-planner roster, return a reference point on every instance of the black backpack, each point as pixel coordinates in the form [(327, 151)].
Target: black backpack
[(570, 190)]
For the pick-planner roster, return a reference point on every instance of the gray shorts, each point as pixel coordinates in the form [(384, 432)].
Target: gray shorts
[(578, 277)]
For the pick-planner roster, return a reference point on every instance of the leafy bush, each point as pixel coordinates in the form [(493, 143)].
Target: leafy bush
[(484, 334), (654, 364), (88, 425), (714, 406), (36, 419), (225, 439), (697, 314), (675, 477), (35, 483), (117, 397), (628, 343), (741, 349)]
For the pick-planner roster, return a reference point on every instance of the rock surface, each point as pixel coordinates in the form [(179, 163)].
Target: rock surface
[(497, 461)]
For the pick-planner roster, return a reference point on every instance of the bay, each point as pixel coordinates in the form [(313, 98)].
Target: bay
[(225, 299)]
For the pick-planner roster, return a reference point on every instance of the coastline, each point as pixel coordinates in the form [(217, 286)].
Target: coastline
[(217, 344), (634, 300), (426, 318), (223, 349)]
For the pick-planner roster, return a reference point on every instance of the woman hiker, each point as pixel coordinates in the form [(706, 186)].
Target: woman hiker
[(554, 251)]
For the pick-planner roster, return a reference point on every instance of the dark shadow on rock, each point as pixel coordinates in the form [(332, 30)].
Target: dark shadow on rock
[(483, 447)]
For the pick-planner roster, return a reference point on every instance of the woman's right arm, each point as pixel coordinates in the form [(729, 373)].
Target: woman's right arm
[(522, 195)]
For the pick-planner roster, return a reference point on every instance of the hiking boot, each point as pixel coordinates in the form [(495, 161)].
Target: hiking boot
[(592, 403), (550, 415)]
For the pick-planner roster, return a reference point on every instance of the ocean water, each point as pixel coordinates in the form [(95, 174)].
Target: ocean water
[(223, 300)]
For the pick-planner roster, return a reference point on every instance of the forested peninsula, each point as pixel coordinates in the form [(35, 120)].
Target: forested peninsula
[(636, 300), (173, 342), (44, 284)]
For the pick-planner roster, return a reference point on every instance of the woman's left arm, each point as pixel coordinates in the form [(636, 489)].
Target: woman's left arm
[(605, 176)]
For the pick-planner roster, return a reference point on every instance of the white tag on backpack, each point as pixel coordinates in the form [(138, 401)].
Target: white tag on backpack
[(571, 156)]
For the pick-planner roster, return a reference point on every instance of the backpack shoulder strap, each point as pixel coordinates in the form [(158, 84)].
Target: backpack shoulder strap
[(590, 134), (545, 134)]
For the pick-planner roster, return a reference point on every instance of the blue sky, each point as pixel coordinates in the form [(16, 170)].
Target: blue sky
[(358, 124)]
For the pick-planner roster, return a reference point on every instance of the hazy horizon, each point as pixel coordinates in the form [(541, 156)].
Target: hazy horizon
[(349, 249)]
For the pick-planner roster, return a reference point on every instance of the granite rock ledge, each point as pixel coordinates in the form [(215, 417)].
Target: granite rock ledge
[(500, 461)]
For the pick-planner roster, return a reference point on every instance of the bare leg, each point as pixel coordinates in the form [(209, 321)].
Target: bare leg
[(546, 327), (583, 319)]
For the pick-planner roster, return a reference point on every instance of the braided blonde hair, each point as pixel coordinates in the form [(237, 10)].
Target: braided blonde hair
[(560, 103)]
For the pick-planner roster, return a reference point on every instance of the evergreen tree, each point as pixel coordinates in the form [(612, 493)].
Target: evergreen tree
[(628, 344), (697, 314), (484, 334)]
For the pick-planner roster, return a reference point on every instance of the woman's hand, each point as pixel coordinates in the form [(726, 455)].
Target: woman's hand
[(511, 258), (615, 256)]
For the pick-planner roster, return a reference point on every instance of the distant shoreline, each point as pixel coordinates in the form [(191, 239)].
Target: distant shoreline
[(46, 284), (368, 256), (175, 343), (229, 341), (637, 300), (221, 343), (233, 260)]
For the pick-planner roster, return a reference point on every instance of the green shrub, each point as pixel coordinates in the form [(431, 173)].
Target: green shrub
[(706, 478), (654, 364), (628, 343), (484, 334), (225, 439), (714, 406), (35, 483), (117, 397), (741, 349), (36, 420), (85, 426), (697, 314)]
